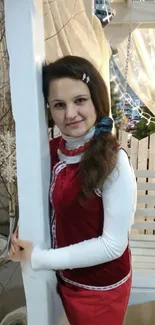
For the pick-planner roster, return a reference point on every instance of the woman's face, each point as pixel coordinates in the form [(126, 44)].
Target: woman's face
[(71, 106)]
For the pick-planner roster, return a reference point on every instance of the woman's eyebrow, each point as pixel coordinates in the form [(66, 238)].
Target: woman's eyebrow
[(61, 100), (56, 100), (81, 95)]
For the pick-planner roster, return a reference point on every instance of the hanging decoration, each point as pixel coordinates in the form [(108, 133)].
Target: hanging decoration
[(103, 11), (125, 97), (141, 61)]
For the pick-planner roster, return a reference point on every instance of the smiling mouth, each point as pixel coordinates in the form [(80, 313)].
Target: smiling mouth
[(74, 123)]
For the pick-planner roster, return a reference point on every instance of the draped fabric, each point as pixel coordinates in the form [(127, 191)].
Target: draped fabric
[(141, 65), (68, 31)]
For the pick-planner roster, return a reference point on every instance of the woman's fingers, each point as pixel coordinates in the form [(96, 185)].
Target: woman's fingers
[(13, 238), (16, 232), (14, 248), (11, 253)]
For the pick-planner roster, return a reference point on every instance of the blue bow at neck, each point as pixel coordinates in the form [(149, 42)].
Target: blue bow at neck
[(104, 125)]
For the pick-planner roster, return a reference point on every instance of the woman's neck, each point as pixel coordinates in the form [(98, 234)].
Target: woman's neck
[(75, 142)]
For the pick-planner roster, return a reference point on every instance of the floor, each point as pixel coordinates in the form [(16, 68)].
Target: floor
[(141, 314), (11, 289)]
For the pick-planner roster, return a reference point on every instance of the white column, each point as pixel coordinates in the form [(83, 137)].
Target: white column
[(25, 41)]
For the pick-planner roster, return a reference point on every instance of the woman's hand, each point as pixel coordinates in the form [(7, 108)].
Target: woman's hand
[(20, 250), (14, 248)]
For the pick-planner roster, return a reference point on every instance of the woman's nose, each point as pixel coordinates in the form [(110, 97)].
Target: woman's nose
[(71, 112)]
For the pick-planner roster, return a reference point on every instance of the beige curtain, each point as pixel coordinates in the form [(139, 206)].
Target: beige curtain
[(141, 65), (69, 31)]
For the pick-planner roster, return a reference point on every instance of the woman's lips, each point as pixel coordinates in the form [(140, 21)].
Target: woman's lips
[(74, 123)]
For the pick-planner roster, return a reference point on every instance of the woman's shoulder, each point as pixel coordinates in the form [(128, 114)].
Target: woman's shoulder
[(121, 152)]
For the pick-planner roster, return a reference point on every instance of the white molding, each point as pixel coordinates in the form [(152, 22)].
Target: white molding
[(142, 15), (25, 41), (140, 12)]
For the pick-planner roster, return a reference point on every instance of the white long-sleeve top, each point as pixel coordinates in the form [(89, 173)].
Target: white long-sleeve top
[(119, 195)]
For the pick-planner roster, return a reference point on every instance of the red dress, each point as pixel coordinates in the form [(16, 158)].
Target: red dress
[(92, 295)]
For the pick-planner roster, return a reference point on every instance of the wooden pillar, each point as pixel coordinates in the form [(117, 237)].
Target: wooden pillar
[(25, 41)]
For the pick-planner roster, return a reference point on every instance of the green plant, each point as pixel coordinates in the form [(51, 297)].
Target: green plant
[(143, 129)]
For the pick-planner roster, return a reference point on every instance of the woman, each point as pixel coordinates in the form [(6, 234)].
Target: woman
[(93, 196)]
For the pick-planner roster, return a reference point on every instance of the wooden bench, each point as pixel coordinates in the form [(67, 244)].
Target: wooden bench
[(142, 240)]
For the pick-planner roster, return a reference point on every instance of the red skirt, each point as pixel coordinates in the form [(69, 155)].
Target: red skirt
[(91, 307)]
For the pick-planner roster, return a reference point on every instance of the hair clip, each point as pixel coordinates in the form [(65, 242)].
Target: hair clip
[(85, 77), (88, 79)]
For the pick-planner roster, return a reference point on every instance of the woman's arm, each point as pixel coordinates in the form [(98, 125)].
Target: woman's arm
[(119, 195)]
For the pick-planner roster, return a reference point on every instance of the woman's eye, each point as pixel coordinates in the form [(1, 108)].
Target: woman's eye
[(59, 105), (80, 100)]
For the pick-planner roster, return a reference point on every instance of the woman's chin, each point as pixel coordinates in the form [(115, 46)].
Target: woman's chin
[(75, 132)]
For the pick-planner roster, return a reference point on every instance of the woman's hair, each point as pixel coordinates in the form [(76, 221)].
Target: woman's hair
[(100, 157)]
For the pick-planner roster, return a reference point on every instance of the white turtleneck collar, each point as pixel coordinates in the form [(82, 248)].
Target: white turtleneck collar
[(73, 143)]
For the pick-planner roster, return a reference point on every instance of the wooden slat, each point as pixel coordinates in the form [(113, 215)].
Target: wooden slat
[(143, 266), (147, 218), (139, 238), (142, 244), (144, 252), (123, 139), (146, 186), (142, 258), (145, 173), (142, 165), (146, 199), (129, 152), (134, 152), (144, 225), (145, 212)]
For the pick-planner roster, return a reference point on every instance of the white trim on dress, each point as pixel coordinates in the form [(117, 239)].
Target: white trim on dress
[(87, 287)]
